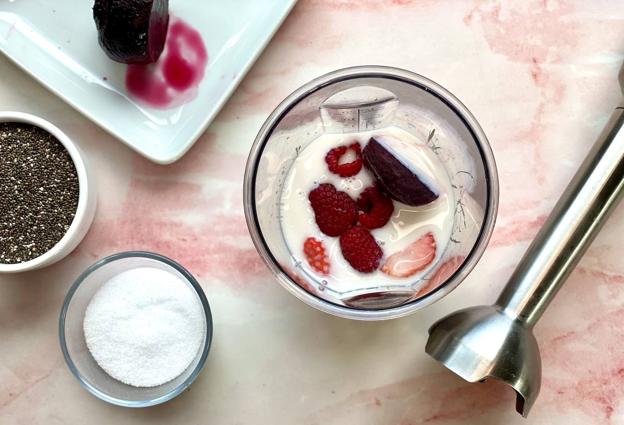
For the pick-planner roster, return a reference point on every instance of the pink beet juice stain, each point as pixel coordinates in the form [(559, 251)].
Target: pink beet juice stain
[(175, 77)]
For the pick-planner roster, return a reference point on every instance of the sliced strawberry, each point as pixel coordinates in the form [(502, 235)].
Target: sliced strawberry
[(442, 273), (302, 282), (314, 251), (348, 169), (411, 259), (375, 208)]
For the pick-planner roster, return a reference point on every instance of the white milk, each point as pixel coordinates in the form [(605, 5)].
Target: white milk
[(406, 225)]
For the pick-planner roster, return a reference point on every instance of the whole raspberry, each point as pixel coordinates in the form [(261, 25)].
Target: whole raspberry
[(347, 169), (335, 212), (314, 251), (375, 208), (360, 249)]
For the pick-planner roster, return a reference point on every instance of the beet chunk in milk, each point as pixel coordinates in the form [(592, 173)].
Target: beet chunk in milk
[(132, 31), (395, 176)]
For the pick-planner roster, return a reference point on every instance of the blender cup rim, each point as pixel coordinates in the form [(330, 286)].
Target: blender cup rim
[(422, 83)]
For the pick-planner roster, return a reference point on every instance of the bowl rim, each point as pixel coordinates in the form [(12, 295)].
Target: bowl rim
[(59, 250), (204, 350), (423, 83)]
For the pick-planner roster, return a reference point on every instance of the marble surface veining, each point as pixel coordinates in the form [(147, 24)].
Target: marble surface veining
[(540, 76)]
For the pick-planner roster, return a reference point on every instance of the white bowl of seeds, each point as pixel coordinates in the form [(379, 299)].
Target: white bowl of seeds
[(47, 195)]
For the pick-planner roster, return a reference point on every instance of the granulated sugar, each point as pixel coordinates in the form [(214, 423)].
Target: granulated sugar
[(144, 327)]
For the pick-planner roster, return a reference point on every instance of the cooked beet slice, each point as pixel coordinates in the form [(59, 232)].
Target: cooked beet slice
[(132, 31), (401, 183)]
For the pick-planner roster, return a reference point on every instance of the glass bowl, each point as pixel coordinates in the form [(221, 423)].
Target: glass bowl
[(77, 355), (364, 99)]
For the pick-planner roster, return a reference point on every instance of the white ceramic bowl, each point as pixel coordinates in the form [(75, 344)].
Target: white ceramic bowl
[(86, 202)]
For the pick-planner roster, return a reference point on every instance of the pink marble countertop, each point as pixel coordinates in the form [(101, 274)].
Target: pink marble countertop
[(540, 76)]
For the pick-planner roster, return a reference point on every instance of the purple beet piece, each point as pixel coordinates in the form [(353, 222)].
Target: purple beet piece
[(401, 183), (132, 31)]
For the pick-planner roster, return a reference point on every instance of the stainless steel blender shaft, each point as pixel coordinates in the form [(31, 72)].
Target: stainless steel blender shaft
[(497, 341), (572, 225)]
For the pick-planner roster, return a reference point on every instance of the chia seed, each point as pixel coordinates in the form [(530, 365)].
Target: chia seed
[(38, 192)]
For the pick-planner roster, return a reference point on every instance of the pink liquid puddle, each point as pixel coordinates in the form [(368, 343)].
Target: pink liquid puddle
[(174, 79)]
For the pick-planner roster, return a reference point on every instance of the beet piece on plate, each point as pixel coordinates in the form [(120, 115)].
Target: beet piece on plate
[(132, 31), (401, 183)]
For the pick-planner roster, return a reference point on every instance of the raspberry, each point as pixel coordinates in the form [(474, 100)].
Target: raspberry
[(375, 208), (335, 212), (314, 251), (360, 249), (347, 169)]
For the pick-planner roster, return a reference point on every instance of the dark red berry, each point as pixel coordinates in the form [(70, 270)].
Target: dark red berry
[(360, 249), (348, 169), (335, 212), (401, 183), (375, 208)]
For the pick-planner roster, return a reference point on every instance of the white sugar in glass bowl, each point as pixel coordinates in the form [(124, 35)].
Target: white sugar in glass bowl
[(81, 362), (87, 198)]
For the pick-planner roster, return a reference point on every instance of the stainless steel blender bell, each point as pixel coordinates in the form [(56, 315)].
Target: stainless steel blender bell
[(497, 341)]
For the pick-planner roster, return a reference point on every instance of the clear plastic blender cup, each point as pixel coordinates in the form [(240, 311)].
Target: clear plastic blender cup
[(362, 99)]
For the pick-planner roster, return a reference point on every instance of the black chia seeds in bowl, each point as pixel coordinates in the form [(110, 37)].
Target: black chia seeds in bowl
[(46, 198), (38, 191)]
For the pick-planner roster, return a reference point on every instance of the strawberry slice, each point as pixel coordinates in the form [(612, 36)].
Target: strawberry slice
[(301, 282), (441, 275), (411, 259)]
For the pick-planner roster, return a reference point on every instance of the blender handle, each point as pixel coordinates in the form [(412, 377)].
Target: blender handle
[(574, 222)]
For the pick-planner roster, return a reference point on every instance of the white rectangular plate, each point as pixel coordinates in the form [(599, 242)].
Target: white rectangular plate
[(56, 42)]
